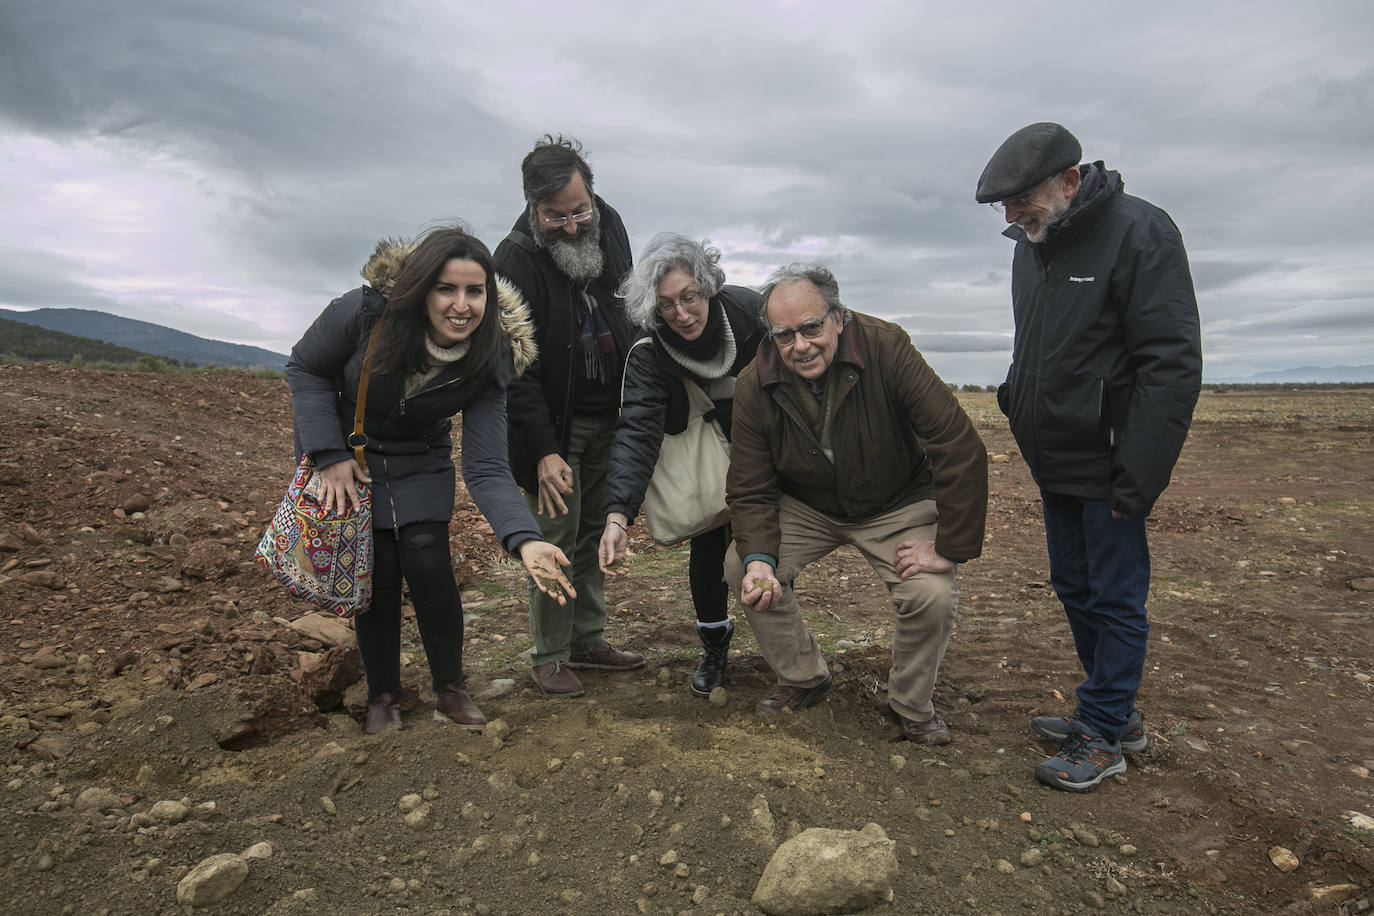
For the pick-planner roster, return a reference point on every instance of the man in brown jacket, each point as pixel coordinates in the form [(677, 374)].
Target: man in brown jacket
[(843, 435)]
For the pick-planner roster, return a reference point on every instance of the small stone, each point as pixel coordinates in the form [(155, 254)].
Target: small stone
[(1095, 900), (97, 799), (1284, 859), (212, 880), (897, 762), (499, 687), (168, 812), (668, 858), (718, 697), (409, 803), (1005, 867), (1085, 836), (1032, 857), (327, 804), (655, 798), (418, 817), (1332, 894), (1126, 849), (258, 851), (1363, 584), (496, 728), (1025, 817), (1115, 887)]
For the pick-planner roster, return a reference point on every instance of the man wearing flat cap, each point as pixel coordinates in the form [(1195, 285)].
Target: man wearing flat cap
[(1106, 368)]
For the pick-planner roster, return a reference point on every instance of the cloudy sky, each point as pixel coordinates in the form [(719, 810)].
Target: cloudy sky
[(225, 168)]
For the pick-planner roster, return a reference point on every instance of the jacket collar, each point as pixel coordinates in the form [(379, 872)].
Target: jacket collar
[(1098, 185), (770, 366)]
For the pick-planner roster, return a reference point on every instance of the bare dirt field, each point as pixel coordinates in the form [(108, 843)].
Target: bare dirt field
[(159, 708)]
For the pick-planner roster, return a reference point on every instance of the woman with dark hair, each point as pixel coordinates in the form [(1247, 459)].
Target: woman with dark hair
[(449, 335), (705, 332)]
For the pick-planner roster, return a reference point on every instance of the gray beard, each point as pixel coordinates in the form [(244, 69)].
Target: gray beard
[(580, 259)]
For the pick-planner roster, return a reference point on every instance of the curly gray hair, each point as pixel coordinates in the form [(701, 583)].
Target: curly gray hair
[(665, 253)]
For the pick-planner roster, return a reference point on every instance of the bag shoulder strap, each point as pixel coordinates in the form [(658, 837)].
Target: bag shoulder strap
[(626, 370), (358, 441)]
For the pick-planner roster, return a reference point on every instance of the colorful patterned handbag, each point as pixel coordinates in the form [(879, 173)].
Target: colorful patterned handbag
[(318, 555)]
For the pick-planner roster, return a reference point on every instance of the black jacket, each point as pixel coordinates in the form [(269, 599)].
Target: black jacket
[(540, 401), (655, 401), (1107, 360), (409, 449)]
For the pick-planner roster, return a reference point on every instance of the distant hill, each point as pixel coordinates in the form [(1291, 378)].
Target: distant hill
[(1323, 374), (33, 344), (146, 337)]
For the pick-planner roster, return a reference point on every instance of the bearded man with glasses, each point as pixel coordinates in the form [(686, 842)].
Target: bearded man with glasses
[(843, 434), (568, 252), (1106, 368)]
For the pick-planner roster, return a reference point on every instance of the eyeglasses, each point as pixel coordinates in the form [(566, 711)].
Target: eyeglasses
[(812, 329), (558, 222), (1016, 203), (687, 300)]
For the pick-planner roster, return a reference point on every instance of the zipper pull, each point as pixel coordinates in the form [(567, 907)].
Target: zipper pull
[(403, 407)]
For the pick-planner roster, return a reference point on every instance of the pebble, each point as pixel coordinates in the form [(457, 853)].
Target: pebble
[(1005, 867), (496, 728), (1095, 900), (409, 803), (1126, 849), (718, 697), (168, 812), (1284, 859), (897, 762), (1085, 836), (1032, 857), (261, 850), (499, 687), (655, 798), (328, 805), (212, 880), (1115, 887)]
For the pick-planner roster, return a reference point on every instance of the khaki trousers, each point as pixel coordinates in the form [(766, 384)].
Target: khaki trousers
[(925, 604)]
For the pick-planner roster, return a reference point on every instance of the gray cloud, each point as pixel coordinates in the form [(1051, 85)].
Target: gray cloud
[(227, 167)]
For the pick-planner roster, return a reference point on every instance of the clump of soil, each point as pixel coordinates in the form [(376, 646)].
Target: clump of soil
[(164, 702)]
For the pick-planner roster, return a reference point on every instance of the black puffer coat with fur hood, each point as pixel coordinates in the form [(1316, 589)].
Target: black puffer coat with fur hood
[(409, 450)]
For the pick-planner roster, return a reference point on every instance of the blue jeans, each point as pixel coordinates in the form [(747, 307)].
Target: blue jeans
[(1100, 569)]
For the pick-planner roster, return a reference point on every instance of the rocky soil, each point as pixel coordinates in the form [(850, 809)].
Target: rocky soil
[(165, 704)]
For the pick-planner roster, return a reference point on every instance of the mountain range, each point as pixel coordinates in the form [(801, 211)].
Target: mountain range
[(146, 337)]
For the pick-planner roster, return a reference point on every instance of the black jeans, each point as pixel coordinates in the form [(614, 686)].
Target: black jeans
[(418, 553), (706, 574)]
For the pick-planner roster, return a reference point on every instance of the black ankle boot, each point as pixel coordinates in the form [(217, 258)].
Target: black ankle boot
[(715, 648)]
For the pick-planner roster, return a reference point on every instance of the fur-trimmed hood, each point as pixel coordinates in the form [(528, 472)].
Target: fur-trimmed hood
[(385, 264)]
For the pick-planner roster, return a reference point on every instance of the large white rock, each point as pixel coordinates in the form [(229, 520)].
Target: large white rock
[(326, 628), (212, 880), (828, 871)]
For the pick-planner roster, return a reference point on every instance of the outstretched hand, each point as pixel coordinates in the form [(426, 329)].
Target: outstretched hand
[(555, 482), (614, 541), (545, 564), (338, 486)]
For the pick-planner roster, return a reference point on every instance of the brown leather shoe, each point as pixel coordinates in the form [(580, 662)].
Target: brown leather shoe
[(383, 712), (785, 696), (556, 680), (452, 704), (930, 732), (609, 658)]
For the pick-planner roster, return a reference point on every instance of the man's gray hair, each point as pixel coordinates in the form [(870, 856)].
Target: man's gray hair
[(816, 275), (665, 253)]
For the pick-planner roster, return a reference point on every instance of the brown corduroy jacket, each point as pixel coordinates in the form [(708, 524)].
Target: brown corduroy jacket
[(898, 435)]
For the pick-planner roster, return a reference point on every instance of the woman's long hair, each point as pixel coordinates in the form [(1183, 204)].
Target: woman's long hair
[(405, 323)]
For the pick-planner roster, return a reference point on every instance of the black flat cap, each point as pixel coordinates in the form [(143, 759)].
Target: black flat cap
[(1027, 158)]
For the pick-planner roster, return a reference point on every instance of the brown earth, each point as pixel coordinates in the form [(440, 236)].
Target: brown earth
[(145, 659)]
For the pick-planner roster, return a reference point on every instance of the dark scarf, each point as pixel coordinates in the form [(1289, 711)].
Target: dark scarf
[(597, 342)]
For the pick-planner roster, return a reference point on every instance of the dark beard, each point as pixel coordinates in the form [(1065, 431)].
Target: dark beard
[(581, 259)]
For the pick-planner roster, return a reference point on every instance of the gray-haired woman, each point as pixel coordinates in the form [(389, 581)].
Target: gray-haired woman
[(704, 331)]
